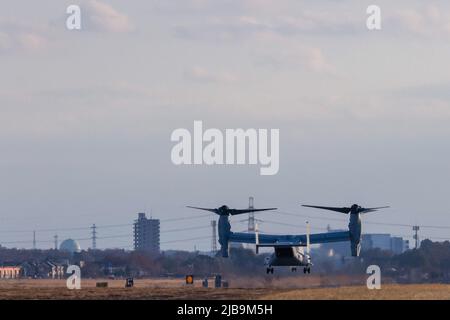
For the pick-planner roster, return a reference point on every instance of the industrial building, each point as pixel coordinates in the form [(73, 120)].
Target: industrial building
[(382, 241), (399, 245), (147, 234)]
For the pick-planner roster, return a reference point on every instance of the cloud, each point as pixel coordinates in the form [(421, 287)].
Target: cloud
[(428, 21), (17, 36), (235, 27), (5, 41), (31, 41), (103, 17), (280, 53), (201, 74), (316, 61)]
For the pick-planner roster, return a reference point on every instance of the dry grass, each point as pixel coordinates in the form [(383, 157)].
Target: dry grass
[(290, 288), (143, 289), (387, 292)]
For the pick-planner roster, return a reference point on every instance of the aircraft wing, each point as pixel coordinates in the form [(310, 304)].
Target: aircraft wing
[(281, 245), (289, 240)]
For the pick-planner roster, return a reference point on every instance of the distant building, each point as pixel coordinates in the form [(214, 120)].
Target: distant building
[(71, 246), (399, 245), (146, 234), (10, 272), (376, 241), (55, 270), (383, 241), (42, 270)]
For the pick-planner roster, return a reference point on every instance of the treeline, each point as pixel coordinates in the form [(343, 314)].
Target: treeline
[(429, 263), (121, 263)]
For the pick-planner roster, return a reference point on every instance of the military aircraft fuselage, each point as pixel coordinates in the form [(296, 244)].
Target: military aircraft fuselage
[(289, 257)]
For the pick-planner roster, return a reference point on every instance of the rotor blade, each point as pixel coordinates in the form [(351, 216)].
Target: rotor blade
[(367, 210), (206, 209), (241, 211), (343, 209)]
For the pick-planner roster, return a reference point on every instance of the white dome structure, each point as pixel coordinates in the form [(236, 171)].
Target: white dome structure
[(70, 245)]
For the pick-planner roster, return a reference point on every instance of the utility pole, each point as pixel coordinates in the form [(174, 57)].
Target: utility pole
[(56, 241), (214, 237), (251, 216), (416, 235), (94, 237), (34, 240)]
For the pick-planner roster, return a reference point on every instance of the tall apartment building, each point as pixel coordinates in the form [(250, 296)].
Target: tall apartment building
[(146, 234)]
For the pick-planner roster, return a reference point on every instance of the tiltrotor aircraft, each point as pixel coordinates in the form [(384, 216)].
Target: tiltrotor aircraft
[(289, 249)]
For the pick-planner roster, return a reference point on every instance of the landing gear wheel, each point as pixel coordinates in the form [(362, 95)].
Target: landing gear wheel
[(293, 269), (304, 270), (269, 270), (309, 270)]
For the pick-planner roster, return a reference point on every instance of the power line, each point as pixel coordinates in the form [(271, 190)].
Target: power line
[(290, 225), (100, 226), (416, 236), (116, 236), (190, 239), (310, 217), (185, 218), (365, 222), (94, 237), (56, 241), (115, 225), (185, 229)]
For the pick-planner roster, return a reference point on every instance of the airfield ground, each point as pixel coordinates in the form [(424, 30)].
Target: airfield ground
[(175, 289)]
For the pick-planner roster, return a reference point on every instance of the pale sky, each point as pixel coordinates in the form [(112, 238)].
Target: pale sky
[(86, 116)]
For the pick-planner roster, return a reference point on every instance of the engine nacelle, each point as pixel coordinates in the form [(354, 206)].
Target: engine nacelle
[(354, 227), (224, 229)]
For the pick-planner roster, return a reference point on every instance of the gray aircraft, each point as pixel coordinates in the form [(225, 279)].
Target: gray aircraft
[(287, 254), (289, 249)]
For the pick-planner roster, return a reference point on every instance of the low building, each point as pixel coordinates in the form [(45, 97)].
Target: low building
[(382, 241), (42, 270), (55, 270), (399, 245), (10, 272)]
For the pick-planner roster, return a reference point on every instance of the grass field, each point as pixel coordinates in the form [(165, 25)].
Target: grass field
[(285, 289)]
